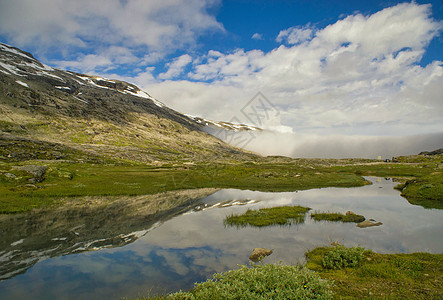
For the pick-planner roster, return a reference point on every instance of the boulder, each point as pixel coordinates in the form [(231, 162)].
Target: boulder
[(350, 213), (37, 171), (259, 253)]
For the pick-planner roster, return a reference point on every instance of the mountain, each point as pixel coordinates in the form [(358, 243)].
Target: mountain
[(435, 152), (40, 106)]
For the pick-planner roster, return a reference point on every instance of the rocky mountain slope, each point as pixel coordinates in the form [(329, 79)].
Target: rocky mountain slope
[(110, 118)]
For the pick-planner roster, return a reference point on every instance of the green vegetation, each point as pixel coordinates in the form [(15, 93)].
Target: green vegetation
[(340, 257), (75, 173), (337, 217), (271, 281), (381, 276), (330, 273), (426, 191), (282, 215), (78, 174)]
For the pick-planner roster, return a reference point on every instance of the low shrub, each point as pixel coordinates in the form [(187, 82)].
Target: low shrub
[(342, 257), (271, 281)]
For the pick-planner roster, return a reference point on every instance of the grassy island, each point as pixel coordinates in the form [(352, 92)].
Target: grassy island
[(282, 215)]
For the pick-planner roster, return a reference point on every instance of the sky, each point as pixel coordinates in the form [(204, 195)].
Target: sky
[(306, 70)]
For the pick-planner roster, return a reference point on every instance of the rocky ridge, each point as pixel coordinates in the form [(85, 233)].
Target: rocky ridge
[(98, 115)]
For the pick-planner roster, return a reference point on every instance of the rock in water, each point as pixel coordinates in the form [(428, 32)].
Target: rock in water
[(259, 253), (369, 223)]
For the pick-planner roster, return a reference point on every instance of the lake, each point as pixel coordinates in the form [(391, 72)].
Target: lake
[(171, 252)]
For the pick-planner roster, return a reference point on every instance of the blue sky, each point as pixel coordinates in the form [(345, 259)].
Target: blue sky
[(243, 18), (348, 68)]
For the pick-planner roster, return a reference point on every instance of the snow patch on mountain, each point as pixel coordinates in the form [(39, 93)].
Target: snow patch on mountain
[(15, 62), (224, 125), (22, 83)]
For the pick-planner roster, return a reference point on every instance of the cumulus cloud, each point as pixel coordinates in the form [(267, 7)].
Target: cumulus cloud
[(360, 75), (103, 28)]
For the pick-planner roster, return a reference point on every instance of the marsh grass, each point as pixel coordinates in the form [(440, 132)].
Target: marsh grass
[(337, 217), (282, 215)]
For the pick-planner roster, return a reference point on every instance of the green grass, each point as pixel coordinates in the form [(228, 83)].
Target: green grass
[(270, 281), (337, 217), (383, 276), (82, 175), (426, 191), (89, 178), (282, 215), (74, 173), (340, 257)]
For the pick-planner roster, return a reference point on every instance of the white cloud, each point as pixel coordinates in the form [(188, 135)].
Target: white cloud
[(295, 35), (105, 28), (257, 36), (176, 67), (359, 75), (144, 76)]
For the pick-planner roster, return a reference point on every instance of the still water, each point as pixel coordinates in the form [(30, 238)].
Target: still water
[(174, 253)]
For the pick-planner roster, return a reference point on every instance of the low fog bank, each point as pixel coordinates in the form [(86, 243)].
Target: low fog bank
[(331, 146)]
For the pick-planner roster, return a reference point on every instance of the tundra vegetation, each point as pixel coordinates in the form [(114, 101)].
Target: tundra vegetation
[(70, 172), (359, 273)]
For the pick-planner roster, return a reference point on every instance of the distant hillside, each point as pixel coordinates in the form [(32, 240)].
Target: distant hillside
[(435, 152), (97, 115)]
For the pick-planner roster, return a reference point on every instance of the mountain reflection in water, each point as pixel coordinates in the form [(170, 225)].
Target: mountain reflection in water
[(85, 224)]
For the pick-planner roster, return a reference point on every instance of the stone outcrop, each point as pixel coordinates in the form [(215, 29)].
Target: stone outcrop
[(259, 253)]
